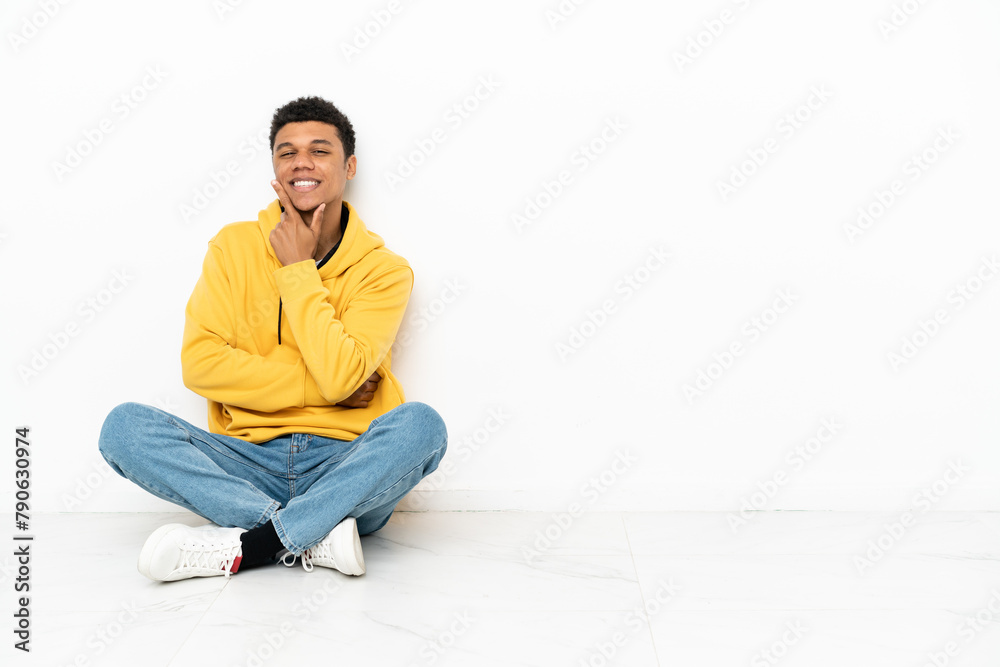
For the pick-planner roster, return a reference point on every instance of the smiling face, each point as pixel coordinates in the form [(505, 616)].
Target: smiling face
[(310, 164)]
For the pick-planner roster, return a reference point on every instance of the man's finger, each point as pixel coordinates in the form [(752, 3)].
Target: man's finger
[(317, 222), (282, 195), (290, 212)]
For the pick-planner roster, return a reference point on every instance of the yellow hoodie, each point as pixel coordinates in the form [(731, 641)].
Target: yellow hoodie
[(336, 326)]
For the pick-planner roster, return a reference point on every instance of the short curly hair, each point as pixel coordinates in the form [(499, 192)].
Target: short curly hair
[(314, 108)]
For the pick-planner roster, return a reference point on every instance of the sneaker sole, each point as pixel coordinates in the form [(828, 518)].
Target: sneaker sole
[(149, 548), (347, 550)]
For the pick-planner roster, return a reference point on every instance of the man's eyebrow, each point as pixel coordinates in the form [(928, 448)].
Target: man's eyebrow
[(288, 144)]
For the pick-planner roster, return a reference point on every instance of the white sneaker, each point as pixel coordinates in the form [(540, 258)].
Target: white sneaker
[(340, 550), (176, 551)]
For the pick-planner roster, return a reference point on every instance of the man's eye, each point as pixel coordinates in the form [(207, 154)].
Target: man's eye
[(321, 152), (285, 154)]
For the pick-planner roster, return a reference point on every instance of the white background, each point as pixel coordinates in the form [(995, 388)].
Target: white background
[(523, 290)]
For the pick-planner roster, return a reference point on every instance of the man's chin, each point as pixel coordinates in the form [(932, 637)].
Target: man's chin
[(306, 204)]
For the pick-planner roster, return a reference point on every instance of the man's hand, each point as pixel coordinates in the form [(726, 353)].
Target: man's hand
[(293, 241), (365, 393)]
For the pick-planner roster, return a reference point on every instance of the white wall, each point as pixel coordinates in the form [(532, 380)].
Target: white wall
[(677, 131)]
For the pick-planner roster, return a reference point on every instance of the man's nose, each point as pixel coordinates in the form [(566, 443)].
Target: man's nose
[(302, 161)]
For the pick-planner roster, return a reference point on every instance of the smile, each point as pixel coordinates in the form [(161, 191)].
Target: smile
[(304, 185)]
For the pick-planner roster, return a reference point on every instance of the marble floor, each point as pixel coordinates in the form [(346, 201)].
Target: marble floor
[(516, 588)]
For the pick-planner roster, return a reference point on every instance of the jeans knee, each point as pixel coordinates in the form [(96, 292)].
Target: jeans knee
[(427, 421), (119, 421)]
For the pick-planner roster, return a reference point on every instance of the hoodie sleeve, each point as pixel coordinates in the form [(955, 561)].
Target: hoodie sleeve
[(342, 349), (213, 368)]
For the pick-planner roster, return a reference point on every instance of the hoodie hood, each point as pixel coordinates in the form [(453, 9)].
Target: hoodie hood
[(356, 243)]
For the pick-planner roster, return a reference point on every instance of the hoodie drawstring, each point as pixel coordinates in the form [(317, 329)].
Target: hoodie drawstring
[(344, 213), (279, 298)]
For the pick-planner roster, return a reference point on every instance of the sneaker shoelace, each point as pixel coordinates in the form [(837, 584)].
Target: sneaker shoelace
[(306, 565), (209, 556), (321, 550)]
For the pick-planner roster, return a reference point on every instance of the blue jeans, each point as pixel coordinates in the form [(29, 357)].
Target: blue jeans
[(305, 484)]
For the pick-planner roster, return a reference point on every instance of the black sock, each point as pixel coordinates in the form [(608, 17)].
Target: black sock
[(260, 545)]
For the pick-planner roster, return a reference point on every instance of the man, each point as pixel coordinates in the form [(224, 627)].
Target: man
[(287, 334)]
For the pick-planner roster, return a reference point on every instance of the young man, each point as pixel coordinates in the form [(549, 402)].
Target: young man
[(288, 335)]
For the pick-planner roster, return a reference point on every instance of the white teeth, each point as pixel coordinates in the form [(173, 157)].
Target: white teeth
[(304, 184)]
